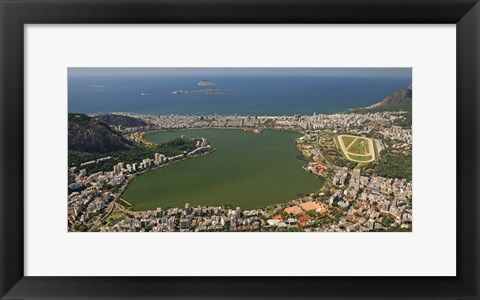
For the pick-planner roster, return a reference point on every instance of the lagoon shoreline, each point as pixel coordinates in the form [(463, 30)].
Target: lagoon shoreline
[(212, 160)]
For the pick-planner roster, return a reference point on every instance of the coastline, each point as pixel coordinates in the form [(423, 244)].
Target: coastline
[(355, 155)]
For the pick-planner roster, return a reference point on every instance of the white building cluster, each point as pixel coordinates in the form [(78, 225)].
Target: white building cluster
[(90, 195)]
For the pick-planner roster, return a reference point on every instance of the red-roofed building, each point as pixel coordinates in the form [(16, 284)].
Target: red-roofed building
[(303, 220), (278, 218), (306, 206), (293, 210), (322, 211)]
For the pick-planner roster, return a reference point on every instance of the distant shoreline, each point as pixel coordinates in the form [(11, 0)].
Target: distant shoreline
[(222, 115)]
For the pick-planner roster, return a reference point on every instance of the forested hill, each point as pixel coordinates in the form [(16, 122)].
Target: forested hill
[(396, 97), (121, 120), (398, 101), (90, 134)]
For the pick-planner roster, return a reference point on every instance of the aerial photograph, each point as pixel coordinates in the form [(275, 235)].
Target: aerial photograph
[(239, 149)]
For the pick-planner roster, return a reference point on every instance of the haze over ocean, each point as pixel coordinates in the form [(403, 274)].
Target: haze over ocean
[(296, 91)]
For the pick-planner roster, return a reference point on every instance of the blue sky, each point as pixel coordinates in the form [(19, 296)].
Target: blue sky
[(331, 72)]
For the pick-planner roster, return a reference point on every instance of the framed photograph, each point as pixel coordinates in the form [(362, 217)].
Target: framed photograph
[(230, 149)]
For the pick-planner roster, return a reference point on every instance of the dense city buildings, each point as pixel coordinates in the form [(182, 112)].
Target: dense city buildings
[(355, 197)]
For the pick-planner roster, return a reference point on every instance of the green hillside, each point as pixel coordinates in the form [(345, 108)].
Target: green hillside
[(87, 134)]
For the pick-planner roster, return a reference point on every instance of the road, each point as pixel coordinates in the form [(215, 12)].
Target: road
[(320, 154)]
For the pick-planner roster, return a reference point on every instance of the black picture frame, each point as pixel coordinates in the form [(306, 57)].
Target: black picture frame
[(16, 13)]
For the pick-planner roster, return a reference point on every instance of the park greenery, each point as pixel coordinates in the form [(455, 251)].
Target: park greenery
[(270, 123), (387, 221), (396, 165), (399, 229), (347, 140)]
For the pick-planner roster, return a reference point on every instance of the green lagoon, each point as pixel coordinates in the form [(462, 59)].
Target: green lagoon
[(247, 169)]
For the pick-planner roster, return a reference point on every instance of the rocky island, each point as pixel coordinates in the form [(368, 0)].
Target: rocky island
[(205, 83)]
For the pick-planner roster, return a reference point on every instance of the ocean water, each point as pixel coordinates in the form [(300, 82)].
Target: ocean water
[(244, 95)]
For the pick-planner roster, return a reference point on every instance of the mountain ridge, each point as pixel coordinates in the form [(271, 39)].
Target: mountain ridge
[(121, 120), (90, 134), (395, 97)]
